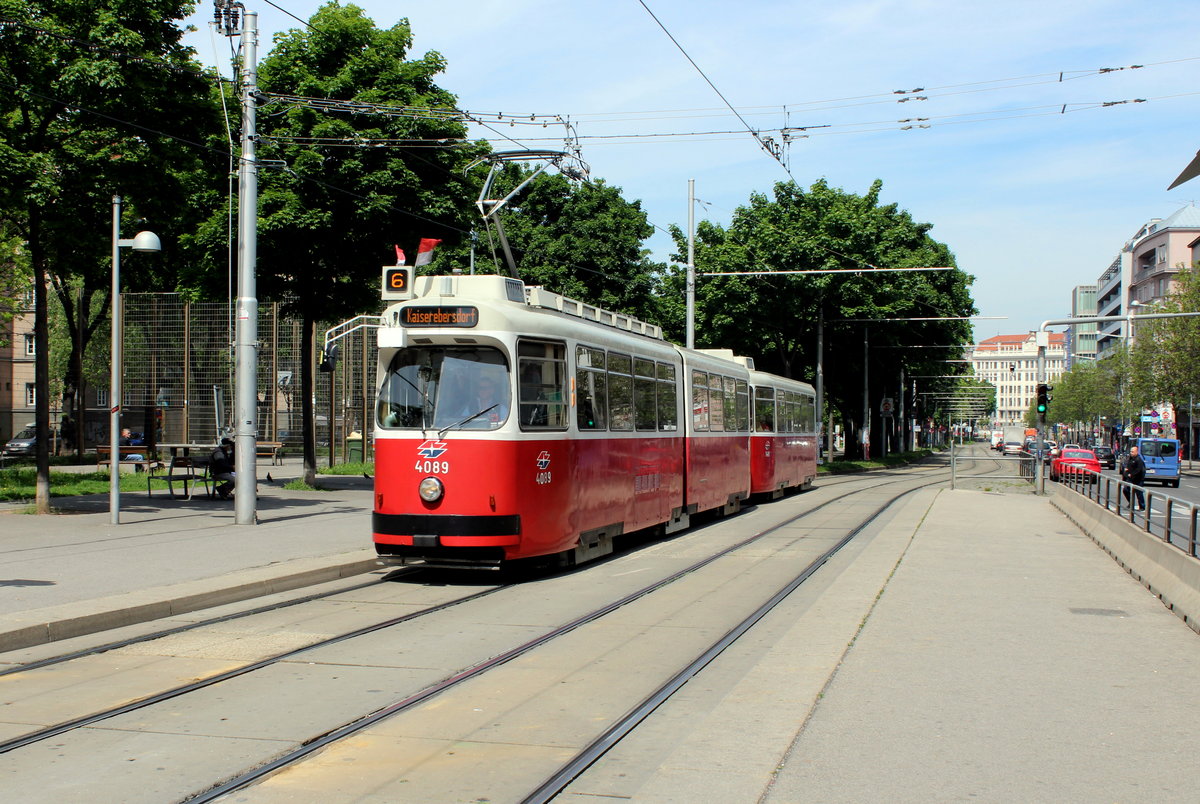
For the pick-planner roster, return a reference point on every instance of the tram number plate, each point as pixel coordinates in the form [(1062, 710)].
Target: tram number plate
[(434, 467)]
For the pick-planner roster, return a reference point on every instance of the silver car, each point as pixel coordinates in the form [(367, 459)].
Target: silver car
[(23, 443)]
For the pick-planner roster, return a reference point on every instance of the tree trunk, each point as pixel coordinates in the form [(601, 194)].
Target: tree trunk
[(41, 345)]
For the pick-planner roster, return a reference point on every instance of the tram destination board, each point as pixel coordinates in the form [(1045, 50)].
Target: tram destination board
[(439, 316)]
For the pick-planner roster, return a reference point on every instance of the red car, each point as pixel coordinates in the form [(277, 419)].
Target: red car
[(1073, 461)]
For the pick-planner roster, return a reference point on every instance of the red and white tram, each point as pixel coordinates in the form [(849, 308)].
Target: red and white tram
[(513, 423)]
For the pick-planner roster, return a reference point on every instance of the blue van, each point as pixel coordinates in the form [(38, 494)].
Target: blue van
[(1162, 459)]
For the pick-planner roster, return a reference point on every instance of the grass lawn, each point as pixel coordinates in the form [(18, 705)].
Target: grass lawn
[(17, 484), (842, 467)]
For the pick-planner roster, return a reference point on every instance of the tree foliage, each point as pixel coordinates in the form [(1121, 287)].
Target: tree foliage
[(97, 95), (774, 318), (1167, 347), (353, 185)]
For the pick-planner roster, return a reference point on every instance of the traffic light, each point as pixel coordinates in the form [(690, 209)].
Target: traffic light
[(1043, 397)]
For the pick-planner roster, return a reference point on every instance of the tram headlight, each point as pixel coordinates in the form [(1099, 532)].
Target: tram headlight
[(431, 489)]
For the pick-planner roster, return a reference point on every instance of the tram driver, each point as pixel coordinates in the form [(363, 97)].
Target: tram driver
[(478, 403)]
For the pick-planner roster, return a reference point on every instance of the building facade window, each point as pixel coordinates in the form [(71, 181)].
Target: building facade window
[(102, 397), (30, 394), (30, 345)]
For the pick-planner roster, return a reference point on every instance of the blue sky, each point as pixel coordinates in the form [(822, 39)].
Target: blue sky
[(1032, 199)]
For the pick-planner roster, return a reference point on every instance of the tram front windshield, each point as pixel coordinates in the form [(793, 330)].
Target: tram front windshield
[(444, 388)]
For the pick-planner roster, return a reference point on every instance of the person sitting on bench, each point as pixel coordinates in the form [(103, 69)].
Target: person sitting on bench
[(222, 468)]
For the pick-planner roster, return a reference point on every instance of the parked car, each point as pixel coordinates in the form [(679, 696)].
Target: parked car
[(1075, 461), (23, 443), (1106, 456)]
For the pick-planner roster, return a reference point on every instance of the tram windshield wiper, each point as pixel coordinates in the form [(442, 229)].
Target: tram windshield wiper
[(473, 416)]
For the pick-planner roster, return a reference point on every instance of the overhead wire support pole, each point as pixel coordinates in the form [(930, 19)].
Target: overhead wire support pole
[(691, 266), (246, 341)]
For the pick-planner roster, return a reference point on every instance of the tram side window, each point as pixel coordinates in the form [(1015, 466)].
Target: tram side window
[(699, 401), (542, 374), (786, 412), (591, 380), (742, 389), (668, 419), (645, 402), (620, 392), (729, 406), (764, 410), (808, 407), (716, 403)]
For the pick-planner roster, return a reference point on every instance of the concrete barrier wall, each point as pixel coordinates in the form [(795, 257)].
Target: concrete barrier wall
[(1166, 571)]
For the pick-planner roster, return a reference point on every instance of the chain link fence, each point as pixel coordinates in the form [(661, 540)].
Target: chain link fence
[(178, 361)]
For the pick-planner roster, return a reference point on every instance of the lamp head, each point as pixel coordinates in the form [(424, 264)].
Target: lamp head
[(146, 241)]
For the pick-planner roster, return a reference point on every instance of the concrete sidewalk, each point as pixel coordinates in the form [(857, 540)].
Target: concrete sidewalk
[(72, 573), (1008, 658)]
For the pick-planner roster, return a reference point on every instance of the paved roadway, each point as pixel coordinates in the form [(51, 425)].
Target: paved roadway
[(979, 648)]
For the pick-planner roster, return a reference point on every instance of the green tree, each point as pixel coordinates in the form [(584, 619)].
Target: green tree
[(355, 183), (1166, 348), (15, 277), (95, 95), (774, 318)]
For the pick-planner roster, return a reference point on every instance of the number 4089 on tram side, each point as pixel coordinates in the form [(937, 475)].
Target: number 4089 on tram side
[(515, 423)]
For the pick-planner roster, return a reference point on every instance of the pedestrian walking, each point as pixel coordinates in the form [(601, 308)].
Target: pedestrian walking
[(1134, 472)]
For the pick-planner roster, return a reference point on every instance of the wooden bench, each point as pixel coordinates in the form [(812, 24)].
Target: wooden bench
[(269, 449), (104, 457), (185, 470)]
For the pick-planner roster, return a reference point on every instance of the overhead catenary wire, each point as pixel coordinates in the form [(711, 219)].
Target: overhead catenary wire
[(771, 148)]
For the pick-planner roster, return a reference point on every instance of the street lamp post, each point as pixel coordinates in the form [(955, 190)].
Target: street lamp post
[(144, 241)]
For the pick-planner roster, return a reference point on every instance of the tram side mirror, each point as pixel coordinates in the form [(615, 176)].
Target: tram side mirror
[(329, 359)]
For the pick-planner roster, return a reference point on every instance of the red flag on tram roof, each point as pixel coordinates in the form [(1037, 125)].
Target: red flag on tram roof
[(425, 251)]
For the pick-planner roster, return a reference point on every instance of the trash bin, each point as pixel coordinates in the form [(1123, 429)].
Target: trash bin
[(354, 448)]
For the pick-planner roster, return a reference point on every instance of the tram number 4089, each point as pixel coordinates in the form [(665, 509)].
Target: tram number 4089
[(433, 467)]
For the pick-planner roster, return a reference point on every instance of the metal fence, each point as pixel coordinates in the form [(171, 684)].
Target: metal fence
[(178, 361), (970, 465), (1171, 519)]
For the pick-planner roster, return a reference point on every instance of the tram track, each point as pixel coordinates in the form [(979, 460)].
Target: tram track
[(116, 644), (358, 723)]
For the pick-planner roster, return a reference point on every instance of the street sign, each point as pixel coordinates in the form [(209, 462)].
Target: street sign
[(886, 407)]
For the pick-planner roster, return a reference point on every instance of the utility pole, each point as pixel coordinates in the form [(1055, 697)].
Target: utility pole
[(820, 389), (246, 338), (691, 266)]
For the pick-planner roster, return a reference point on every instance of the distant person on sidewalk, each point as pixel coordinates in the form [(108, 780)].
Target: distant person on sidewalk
[(222, 468), (1134, 471)]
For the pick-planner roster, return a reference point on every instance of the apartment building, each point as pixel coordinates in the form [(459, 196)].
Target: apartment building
[(1010, 362), (1143, 273), (17, 354), (1081, 338)]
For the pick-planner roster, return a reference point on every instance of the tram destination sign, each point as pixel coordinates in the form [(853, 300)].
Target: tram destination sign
[(439, 316)]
